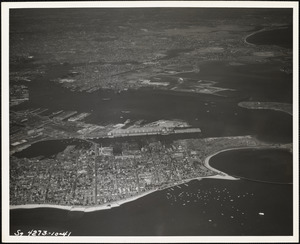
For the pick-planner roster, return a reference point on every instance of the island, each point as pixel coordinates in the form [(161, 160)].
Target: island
[(283, 107)]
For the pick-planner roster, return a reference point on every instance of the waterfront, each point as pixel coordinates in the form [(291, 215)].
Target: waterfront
[(214, 115), (206, 207), (282, 36), (182, 211), (49, 148), (256, 164)]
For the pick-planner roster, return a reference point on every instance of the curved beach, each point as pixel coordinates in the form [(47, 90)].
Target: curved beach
[(83, 208), (258, 31), (253, 33), (220, 174)]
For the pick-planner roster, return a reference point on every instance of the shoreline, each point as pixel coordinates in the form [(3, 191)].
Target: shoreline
[(253, 33), (270, 28), (83, 208), (114, 204), (219, 175), (226, 176)]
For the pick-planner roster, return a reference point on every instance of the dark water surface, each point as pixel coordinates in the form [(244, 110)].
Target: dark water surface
[(48, 148), (269, 165), (280, 37)]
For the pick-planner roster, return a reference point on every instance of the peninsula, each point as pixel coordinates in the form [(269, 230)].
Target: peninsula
[(97, 178)]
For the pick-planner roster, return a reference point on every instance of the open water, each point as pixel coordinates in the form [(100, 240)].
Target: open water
[(282, 37), (256, 164)]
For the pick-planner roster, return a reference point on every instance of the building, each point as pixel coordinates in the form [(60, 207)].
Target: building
[(139, 131)]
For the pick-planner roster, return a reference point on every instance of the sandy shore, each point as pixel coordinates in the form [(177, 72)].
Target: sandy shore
[(116, 203), (111, 204), (222, 175), (261, 30), (83, 208), (251, 34)]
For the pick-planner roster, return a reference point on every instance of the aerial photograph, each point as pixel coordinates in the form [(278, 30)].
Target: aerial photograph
[(151, 122)]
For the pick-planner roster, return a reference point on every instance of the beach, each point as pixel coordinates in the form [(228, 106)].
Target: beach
[(83, 208)]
